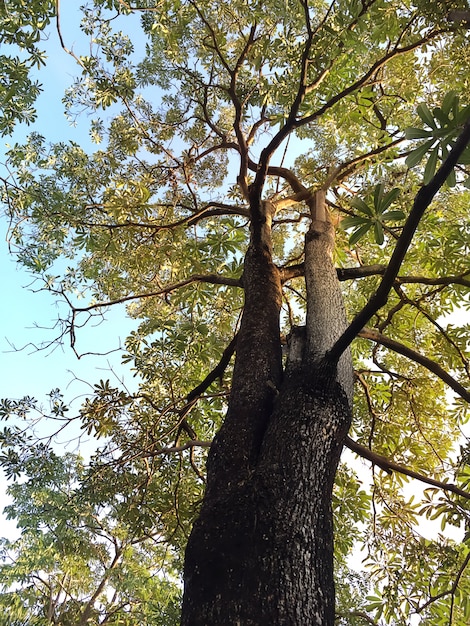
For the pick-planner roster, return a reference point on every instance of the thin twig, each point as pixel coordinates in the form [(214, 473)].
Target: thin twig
[(59, 32)]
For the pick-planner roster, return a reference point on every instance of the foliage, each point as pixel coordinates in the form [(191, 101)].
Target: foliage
[(374, 215), (444, 122), (78, 559), (21, 26), (154, 217)]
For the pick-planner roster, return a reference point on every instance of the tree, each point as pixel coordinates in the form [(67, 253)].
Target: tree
[(243, 139), (75, 559)]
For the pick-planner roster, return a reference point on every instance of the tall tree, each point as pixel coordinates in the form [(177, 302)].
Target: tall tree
[(263, 163)]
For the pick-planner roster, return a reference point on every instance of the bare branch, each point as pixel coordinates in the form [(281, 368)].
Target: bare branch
[(363, 271), (59, 32), (349, 273), (214, 279), (217, 372), (194, 443), (359, 614), (459, 279), (209, 210)]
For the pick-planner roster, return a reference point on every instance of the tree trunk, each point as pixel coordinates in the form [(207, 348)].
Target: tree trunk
[(261, 551)]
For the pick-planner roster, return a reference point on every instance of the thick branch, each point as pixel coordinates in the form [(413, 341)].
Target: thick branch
[(210, 210), (363, 271), (284, 132), (432, 366), (238, 105), (390, 466), (283, 172), (444, 280), (343, 273), (423, 199)]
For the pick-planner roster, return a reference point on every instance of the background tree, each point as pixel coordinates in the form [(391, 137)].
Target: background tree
[(78, 562), (233, 147)]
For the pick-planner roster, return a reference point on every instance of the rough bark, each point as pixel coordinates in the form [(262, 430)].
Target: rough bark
[(261, 551)]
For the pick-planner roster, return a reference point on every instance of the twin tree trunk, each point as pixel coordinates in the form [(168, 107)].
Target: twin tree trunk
[(261, 551)]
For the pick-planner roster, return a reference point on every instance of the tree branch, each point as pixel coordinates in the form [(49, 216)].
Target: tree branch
[(363, 271), (390, 466), (348, 167), (59, 32), (284, 132), (90, 604), (365, 77), (422, 201), (217, 372), (214, 279), (210, 210), (194, 443), (430, 365), (459, 279), (447, 592)]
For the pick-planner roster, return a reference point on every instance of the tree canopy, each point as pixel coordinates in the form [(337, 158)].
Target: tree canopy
[(200, 112)]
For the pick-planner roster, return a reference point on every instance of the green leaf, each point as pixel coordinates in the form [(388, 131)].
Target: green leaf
[(359, 233), (353, 221), (393, 216), (426, 115), (418, 153), (452, 179), (361, 206), (378, 195), (388, 199), (417, 133), (431, 165), (449, 102), (378, 233), (441, 116), (465, 157)]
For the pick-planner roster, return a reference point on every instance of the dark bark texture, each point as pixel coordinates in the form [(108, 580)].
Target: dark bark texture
[(261, 550)]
